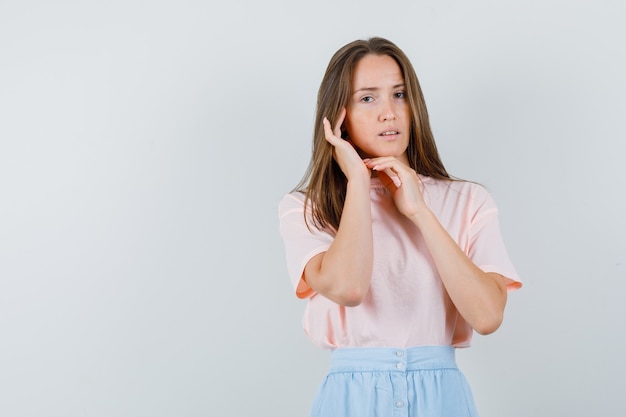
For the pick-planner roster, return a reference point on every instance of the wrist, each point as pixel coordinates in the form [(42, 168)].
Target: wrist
[(422, 217), (360, 179)]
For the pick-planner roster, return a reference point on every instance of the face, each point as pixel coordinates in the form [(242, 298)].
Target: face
[(378, 115)]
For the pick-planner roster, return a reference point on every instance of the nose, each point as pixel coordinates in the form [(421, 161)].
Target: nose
[(386, 111)]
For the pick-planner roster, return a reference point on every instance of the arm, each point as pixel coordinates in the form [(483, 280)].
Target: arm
[(343, 273), (479, 297)]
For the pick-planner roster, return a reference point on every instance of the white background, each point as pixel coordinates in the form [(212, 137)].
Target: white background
[(144, 146)]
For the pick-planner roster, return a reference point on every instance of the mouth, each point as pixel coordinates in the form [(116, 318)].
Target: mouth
[(389, 134)]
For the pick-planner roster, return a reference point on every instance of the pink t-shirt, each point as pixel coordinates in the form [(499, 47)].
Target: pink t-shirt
[(406, 304)]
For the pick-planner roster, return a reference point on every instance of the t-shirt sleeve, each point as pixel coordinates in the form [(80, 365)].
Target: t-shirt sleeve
[(301, 244), (486, 247)]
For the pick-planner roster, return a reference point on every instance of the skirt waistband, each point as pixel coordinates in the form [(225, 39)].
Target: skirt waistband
[(392, 359)]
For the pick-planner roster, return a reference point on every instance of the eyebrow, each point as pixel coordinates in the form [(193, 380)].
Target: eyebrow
[(376, 88)]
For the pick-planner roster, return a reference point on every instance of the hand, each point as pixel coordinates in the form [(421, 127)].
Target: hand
[(403, 183), (344, 153)]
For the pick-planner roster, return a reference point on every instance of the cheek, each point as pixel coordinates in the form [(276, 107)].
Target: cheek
[(350, 125), (354, 131)]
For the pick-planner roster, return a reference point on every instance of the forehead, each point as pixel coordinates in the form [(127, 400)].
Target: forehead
[(376, 71)]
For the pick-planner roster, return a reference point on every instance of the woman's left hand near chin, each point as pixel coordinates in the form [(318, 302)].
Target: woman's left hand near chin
[(403, 183)]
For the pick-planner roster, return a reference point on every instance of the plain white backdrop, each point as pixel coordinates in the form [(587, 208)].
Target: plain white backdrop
[(144, 147)]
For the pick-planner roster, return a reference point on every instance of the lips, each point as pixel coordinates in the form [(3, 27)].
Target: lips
[(389, 135)]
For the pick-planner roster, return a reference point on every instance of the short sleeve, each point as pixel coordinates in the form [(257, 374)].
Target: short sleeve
[(486, 247), (301, 243)]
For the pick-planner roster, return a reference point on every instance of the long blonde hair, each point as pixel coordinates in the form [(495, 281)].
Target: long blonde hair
[(324, 183)]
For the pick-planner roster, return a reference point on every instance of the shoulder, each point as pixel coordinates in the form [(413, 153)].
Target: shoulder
[(454, 195), (460, 188), (291, 201)]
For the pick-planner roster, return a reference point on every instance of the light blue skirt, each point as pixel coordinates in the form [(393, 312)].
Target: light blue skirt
[(421, 381)]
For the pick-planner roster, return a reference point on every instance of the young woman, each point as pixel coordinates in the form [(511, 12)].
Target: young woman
[(399, 262)]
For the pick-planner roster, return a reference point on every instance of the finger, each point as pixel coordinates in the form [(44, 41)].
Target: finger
[(395, 176), (391, 165), (328, 133), (340, 119), (381, 164), (387, 181)]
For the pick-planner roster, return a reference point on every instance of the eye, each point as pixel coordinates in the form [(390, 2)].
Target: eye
[(400, 94), (367, 99)]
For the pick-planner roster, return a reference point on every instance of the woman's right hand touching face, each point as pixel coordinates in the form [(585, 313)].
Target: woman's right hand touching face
[(344, 153)]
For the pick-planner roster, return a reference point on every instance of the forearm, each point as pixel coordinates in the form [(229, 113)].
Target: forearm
[(343, 273), (479, 297)]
